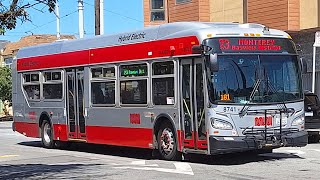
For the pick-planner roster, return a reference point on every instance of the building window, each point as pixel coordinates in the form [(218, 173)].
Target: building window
[(157, 10), (103, 86), (52, 85), (182, 1), (8, 62), (163, 83)]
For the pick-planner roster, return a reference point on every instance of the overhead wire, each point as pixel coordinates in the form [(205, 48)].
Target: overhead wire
[(116, 13)]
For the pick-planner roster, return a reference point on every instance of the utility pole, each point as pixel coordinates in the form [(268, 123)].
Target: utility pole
[(58, 20), (101, 17), (97, 16), (80, 10)]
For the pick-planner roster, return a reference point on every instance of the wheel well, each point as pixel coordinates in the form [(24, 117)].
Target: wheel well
[(162, 120), (43, 116)]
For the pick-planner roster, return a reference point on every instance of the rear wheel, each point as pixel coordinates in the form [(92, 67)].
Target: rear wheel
[(46, 134), (167, 143)]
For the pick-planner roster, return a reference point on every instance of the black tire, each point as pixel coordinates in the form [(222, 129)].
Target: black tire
[(261, 151), (62, 144), (313, 138), (47, 135), (167, 143)]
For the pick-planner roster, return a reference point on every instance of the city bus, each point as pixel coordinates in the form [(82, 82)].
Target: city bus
[(177, 88)]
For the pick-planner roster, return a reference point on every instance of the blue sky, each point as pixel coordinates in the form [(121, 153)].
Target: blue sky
[(119, 16)]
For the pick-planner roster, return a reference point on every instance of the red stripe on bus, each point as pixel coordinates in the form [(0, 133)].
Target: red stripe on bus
[(54, 61), (153, 49), (60, 132), (27, 129), (120, 136)]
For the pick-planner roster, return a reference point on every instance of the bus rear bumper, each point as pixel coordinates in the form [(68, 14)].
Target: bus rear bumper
[(221, 145)]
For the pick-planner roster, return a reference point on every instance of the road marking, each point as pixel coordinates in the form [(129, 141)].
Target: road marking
[(181, 168), (298, 152), (136, 163), (318, 150), (8, 156)]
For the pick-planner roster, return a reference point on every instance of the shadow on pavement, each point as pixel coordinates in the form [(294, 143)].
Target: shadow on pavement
[(146, 154), (129, 152), (238, 158), (41, 171)]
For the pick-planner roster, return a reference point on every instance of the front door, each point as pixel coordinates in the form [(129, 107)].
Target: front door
[(75, 104), (192, 97)]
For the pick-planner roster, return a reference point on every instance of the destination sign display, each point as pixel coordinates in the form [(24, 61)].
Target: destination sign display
[(252, 44)]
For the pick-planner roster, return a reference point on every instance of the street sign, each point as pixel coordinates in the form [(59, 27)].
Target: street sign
[(317, 39)]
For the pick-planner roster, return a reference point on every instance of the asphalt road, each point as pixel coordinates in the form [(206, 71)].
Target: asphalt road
[(24, 158)]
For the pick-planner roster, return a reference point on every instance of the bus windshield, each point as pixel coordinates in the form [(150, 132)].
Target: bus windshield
[(256, 79)]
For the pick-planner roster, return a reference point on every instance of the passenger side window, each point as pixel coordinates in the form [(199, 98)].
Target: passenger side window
[(52, 85), (133, 83), (31, 85), (103, 86)]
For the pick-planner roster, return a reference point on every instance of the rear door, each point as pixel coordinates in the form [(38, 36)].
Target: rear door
[(75, 104)]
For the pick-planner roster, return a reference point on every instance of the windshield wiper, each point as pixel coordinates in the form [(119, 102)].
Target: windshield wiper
[(246, 107), (283, 105)]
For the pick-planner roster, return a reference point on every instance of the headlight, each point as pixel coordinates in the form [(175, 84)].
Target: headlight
[(298, 121), (221, 124)]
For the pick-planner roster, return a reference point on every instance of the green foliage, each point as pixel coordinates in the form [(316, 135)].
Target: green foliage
[(17, 10), (5, 84)]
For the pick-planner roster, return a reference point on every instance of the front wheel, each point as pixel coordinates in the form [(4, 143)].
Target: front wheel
[(167, 143), (46, 135)]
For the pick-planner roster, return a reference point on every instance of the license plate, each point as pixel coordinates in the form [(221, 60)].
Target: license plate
[(308, 113), (260, 121)]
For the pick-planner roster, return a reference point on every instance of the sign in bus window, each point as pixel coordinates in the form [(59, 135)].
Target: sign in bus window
[(103, 92), (163, 91), (134, 70), (133, 92), (161, 68)]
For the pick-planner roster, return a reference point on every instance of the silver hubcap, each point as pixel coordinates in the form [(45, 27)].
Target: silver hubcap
[(47, 133), (167, 141)]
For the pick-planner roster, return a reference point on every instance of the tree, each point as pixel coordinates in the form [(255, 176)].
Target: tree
[(5, 84), (17, 10)]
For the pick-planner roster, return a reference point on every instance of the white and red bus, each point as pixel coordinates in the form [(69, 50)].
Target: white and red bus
[(185, 87)]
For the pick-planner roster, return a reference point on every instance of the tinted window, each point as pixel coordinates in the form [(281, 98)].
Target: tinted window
[(161, 68), (163, 91), (103, 93), (32, 91), (52, 91), (134, 92)]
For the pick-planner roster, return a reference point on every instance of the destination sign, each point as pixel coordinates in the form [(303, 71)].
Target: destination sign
[(254, 44)]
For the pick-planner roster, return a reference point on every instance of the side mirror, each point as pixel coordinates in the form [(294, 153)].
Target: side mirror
[(213, 60), (303, 66)]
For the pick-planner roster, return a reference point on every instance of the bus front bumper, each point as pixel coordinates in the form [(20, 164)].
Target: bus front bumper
[(221, 145)]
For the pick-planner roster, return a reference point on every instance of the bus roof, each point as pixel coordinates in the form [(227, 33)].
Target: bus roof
[(202, 30)]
